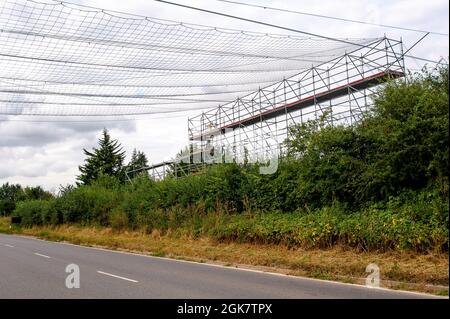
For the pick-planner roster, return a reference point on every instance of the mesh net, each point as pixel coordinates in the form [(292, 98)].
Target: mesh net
[(62, 59)]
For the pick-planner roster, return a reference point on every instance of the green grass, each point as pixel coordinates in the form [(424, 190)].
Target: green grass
[(158, 254), (7, 228)]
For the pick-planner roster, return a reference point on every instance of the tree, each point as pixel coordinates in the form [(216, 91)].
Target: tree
[(410, 132), (401, 145), (9, 195), (36, 193), (105, 160), (137, 163)]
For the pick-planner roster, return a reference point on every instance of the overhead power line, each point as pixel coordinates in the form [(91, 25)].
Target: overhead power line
[(282, 28), (258, 22), (333, 18)]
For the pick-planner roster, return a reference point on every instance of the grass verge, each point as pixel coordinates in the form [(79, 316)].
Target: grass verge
[(424, 272)]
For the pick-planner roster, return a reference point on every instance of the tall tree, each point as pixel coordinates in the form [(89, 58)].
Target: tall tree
[(137, 163), (107, 159)]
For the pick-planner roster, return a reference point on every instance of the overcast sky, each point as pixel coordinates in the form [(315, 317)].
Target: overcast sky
[(48, 153)]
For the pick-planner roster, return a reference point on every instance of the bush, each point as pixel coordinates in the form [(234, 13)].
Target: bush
[(10, 194), (7, 207), (36, 212), (118, 220), (87, 204)]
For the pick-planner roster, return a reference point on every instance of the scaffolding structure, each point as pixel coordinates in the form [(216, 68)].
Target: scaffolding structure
[(256, 125), (62, 59)]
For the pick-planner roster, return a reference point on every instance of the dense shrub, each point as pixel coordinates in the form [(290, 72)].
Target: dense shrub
[(37, 212), (87, 204), (392, 227)]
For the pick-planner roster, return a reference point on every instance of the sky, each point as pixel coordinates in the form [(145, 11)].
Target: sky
[(48, 153)]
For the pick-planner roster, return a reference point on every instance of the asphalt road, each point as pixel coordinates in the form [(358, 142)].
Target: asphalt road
[(32, 268)]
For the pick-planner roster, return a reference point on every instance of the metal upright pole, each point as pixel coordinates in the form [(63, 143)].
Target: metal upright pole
[(260, 123), (403, 66), (314, 92), (386, 50), (202, 133), (276, 118), (363, 71), (285, 110), (348, 88), (329, 88), (234, 132), (300, 97)]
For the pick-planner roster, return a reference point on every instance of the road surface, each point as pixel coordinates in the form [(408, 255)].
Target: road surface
[(32, 268)]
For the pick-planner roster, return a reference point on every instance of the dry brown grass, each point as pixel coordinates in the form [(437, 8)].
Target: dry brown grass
[(402, 270)]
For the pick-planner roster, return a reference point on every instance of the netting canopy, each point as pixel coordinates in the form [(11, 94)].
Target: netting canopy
[(63, 59)]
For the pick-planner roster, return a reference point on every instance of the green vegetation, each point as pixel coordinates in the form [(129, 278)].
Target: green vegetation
[(11, 194), (379, 185), (419, 224)]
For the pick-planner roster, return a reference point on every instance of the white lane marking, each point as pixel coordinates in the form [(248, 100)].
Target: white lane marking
[(10, 246), (115, 276), (45, 256)]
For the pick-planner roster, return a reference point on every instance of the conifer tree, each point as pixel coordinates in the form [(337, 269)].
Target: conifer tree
[(107, 159)]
